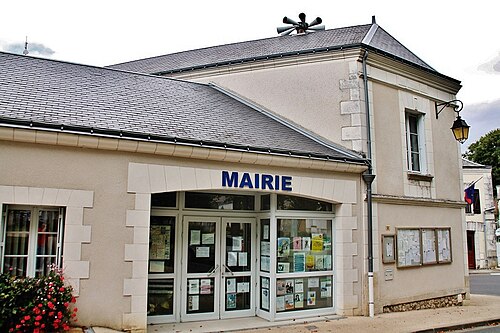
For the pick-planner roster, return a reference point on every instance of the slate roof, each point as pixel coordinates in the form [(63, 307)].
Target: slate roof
[(466, 164), (55, 94), (370, 36)]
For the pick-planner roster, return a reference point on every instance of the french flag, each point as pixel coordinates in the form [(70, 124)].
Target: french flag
[(469, 194)]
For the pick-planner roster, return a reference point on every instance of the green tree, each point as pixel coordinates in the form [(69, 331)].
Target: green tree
[(486, 151)]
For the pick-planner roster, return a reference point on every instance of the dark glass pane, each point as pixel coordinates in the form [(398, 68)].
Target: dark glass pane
[(167, 199), (46, 244), (200, 298), (265, 202), (265, 245), (413, 124), (201, 250), (162, 244), (18, 220), (16, 243), (264, 294), (477, 202), (48, 221), (238, 247), (237, 293), (15, 266), (288, 202), (43, 265), (414, 143), (160, 297), (219, 201), (415, 162)]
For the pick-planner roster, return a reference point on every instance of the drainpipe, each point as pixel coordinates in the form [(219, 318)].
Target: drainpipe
[(368, 178)]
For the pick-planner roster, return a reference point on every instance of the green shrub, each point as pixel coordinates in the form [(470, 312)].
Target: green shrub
[(36, 305)]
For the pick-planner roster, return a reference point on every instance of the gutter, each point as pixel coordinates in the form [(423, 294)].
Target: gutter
[(368, 178)]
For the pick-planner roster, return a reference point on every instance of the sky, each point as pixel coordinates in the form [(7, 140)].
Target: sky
[(457, 38)]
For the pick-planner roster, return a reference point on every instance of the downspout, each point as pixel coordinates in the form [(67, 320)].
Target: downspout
[(368, 178)]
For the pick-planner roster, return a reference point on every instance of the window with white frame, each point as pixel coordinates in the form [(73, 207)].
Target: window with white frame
[(414, 123), (31, 239)]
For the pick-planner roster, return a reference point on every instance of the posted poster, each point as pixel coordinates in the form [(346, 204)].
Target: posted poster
[(230, 285), (208, 239), (243, 287), (202, 252), (283, 246), (280, 287), (205, 286), (266, 232), (289, 302), (327, 262), (194, 303), (156, 266), (160, 242), (265, 283), (311, 298), (283, 267), (310, 262), (326, 288), (317, 242), (265, 299), (280, 303), (194, 286), (289, 286), (265, 248), (195, 237), (306, 243), (265, 263), (238, 243), (299, 301), (242, 259), (297, 243), (299, 285), (231, 301), (232, 259), (299, 262), (313, 283), (318, 262)]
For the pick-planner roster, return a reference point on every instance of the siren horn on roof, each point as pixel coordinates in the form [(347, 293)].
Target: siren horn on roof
[(301, 27)]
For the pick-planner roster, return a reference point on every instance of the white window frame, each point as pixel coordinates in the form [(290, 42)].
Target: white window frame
[(32, 236), (421, 142)]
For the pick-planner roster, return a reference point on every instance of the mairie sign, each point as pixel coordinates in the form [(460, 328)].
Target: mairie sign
[(256, 181)]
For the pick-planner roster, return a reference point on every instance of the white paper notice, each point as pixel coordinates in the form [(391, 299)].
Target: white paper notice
[(238, 243), (265, 299), (194, 303), (195, 237), (230, 285), (194, 286), (243, 287), (208, 239), (266, 232), (202, 252), (156, 266), (232, 259), (242, 259), (313, 283)]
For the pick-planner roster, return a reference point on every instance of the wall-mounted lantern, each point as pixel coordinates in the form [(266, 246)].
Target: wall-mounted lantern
[(460, 128)]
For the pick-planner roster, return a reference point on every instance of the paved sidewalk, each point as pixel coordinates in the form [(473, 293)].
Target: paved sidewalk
[(480, 308)]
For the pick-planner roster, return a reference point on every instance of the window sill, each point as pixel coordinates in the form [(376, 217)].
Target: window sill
[(420, 177)]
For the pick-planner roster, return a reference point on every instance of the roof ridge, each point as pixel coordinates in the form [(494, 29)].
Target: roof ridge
[(226, 44), (369, 35), (102, 68)]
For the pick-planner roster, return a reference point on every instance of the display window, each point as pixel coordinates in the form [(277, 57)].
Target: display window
[(304, 245)]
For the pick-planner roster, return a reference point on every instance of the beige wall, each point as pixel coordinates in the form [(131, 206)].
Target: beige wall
[(114, 292), (422, 282)]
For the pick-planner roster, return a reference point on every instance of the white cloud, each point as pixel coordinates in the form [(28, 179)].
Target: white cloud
[(492, 66)]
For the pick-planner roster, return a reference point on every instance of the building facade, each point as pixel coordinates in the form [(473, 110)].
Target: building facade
[(229, 181), (480, 217)]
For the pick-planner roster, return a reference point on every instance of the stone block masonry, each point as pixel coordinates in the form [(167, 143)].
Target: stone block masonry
[(434, 303)]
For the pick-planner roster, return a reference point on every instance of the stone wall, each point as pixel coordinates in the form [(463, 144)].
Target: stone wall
[(440, 302)]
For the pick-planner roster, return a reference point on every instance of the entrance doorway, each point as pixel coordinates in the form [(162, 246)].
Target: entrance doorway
[(218, 268), (471, 250)]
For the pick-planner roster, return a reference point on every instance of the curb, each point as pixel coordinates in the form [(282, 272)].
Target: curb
[(490, 322)]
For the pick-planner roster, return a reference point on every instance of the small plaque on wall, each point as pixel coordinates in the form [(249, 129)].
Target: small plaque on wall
[(388, 249)]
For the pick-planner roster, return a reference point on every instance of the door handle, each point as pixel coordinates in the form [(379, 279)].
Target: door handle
[(214, 270), (228, 269)]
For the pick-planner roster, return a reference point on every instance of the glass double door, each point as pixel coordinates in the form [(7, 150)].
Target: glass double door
[(218, 269)]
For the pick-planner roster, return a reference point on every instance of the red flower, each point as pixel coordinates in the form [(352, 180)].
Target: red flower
[(27, 317), (61, 289), (38, 318), (75, 309), (66, 304), (36, 330), (50, 305), (73, 299), (37, 323), (40, 305)]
